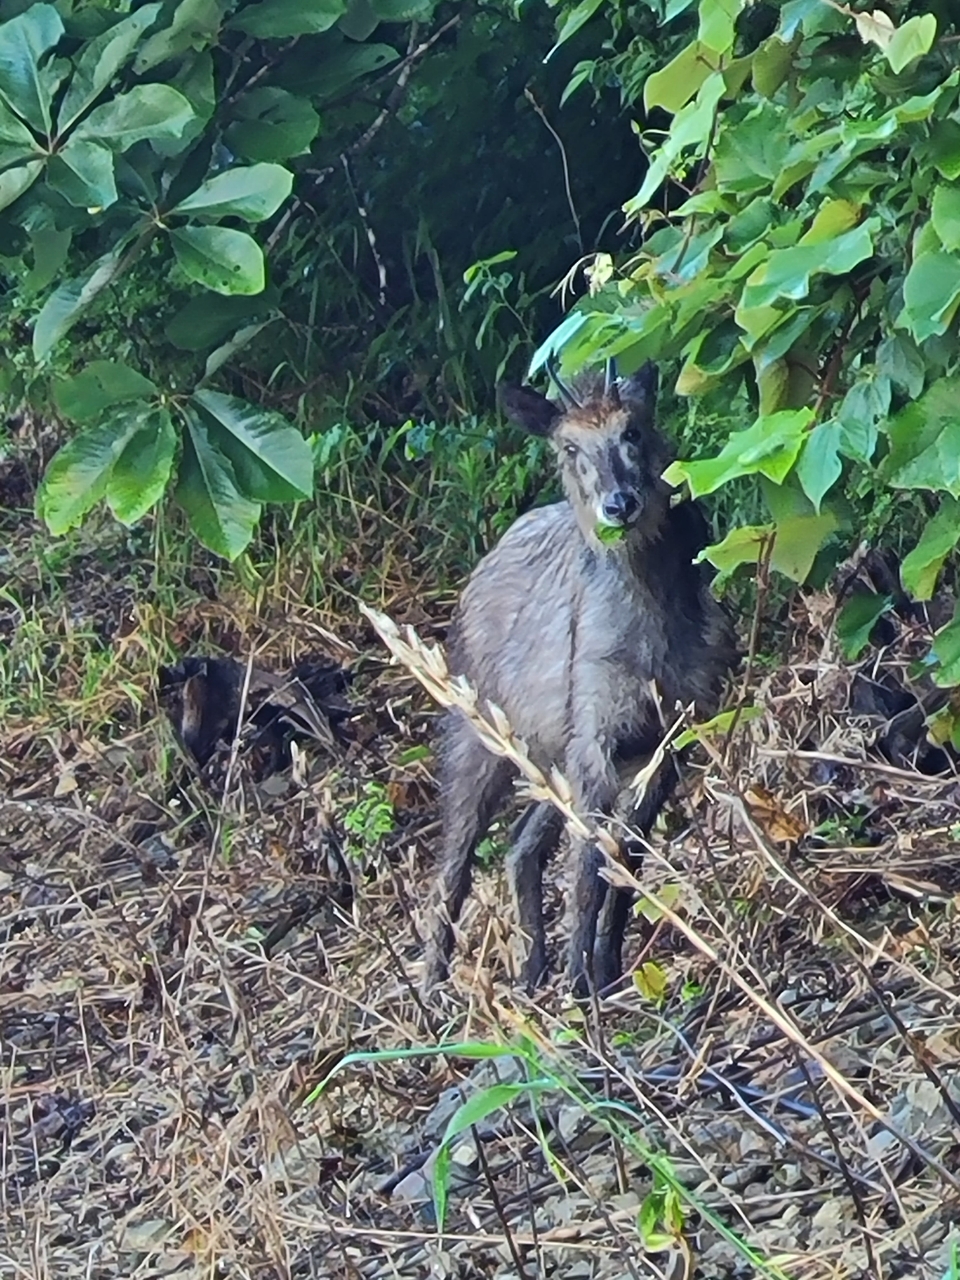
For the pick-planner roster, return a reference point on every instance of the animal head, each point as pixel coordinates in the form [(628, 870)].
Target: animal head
[(609, 451)]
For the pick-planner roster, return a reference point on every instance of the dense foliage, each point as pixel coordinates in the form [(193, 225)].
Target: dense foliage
[(801, 264), (211, 211)]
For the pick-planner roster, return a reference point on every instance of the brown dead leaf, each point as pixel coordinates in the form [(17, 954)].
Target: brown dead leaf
[(778, 825)]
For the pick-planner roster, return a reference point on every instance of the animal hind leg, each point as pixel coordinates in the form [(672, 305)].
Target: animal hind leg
[(473, 783), (537, 835)]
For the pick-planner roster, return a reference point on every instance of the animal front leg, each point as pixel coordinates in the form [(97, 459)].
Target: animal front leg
[(537, 835), (594, 782)]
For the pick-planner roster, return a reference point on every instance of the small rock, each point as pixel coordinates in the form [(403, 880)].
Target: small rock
[(752, 1143)]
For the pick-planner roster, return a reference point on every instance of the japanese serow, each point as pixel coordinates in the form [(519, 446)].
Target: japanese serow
[(575, 634)]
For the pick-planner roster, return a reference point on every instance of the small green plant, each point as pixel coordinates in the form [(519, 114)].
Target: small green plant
[(662, 1218), (369, 820)]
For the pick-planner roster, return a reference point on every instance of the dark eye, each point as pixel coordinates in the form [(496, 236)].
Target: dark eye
[(631, 436), (570, 450)]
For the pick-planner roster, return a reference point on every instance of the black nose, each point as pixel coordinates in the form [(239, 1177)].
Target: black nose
[(620, 506)]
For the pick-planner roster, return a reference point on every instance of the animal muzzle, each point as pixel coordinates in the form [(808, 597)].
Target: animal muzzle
[(619, 508)]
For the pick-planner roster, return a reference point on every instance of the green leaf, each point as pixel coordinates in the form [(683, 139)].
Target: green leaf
[(945, 215), (608, 534), (220, 259), (100, 61), (228, 350), (147, 113), (925, 441), (205, 321), (253, 193), (573, 20), (786, 273), (277, 19), (944, 148), (744, 545), (77, 476), (771, 65), (931, 293), (651, 981), (141, 473), (82, 172), (485, 1102), (691, 127), (920, 568), (946, 649), (15, 182), (272, 125), (717, 23), (328, 76), (271, 460), (819, 467), (66, 304), (912, 40), (900, 361), (27, 80), (195, 25), (99, 386), (856, 621), (674, 85), (50, 248), (360, 21), (798, 539), (771, 447), (222, 518), (16, 140), (864, 405)]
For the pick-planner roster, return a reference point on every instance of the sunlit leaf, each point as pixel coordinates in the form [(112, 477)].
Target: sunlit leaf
[(100, 60), (76, 478), (253, 193), (770, 447), (271, 460), (922, 566), (142, 471)]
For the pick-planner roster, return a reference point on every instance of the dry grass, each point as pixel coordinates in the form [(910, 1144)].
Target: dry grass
[(181, 966)]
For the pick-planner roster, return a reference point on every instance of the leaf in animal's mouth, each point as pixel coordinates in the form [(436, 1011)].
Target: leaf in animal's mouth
[(608, 533)]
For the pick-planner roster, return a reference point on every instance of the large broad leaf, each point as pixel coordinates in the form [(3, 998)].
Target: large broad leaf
[(15, 182), (82, 172), (27, 81), (50, 249), (195, 25), (925, 441), (946, 649), (912, 40), (856, 621), (899, 360), (100, 61), (718, 20), (674, 85), (920, 568), (271, 460), (141, 473), (146, 113), (220, 259), (770, 447), (16, 140), (66, 304), (324, 77), (222, 518), (819, 467), (77, 476), (277, 19), (945, 216), (931, 294), (99, 386), (204, 321), (786, 273), (797, 539), (252, 193), (272, 125)]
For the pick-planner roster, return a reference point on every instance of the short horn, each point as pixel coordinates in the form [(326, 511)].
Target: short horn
[(611, 384), (570, 401)]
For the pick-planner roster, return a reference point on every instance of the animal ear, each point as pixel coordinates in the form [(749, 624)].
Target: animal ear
[(529, 409), (641, 387)]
